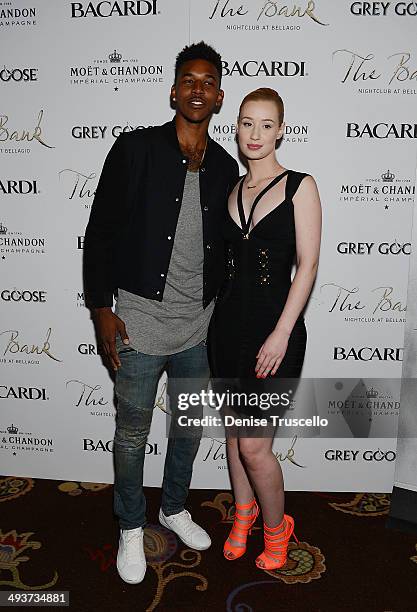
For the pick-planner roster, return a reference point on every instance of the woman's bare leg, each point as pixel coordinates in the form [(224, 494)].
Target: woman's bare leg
[(266, 475), (242, 488)]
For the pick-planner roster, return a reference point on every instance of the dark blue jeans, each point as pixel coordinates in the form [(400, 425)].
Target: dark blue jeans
[(136, 387)]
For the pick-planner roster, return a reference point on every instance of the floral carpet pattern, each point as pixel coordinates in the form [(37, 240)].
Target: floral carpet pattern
[(63, 536)]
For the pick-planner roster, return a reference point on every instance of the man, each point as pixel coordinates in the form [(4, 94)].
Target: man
[(154, 237)]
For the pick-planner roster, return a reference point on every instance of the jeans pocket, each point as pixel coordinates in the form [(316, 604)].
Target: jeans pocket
[(126, 350)]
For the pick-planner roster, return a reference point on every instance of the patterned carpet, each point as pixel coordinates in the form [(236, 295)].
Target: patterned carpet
[(62, 536)]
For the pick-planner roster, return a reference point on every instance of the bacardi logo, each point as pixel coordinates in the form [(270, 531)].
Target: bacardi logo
[(368, 353), (381, 130), (22, 393), (18, 187), (138, 8), (267, 68)]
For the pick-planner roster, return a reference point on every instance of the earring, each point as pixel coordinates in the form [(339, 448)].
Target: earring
[(174, 99)]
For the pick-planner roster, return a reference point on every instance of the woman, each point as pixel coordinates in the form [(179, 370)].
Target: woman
[(258, 329)]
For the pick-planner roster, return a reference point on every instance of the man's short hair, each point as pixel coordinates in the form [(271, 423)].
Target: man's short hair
[(196, 51)]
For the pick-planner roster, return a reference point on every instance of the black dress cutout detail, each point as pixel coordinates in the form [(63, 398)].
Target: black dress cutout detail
[(256, 288), (246, 224)]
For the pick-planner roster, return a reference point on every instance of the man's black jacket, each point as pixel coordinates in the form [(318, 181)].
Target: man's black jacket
[(130, 234)]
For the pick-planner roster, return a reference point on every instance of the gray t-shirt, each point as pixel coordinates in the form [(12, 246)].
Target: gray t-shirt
[(178, 322)]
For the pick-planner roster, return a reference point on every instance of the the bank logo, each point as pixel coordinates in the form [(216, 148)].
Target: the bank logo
[(79, 186), (264, 15), (367, 73), (17, 349), (17, 139), (90, 397), (362, 305)]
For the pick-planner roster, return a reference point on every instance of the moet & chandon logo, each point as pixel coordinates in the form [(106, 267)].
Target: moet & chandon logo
[(226, 132), (14, 439), (116, 70), (15, 17), (368, 401), (386, 189), (14, 243)]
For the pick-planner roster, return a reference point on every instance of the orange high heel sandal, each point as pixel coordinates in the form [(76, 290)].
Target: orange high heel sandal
[(276, 544), (242, 525)]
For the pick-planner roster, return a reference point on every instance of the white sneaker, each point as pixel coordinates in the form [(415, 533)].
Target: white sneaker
[(131, 562), (189, 532)]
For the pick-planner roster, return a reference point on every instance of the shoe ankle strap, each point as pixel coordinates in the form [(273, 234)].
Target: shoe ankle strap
[(245, 506)]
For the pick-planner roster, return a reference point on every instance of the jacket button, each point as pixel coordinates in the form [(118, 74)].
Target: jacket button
[(158, 293), (202, 169), (205, 208), (208, 246), (177, 199), (184, 161), (162, 275), (169, 237)]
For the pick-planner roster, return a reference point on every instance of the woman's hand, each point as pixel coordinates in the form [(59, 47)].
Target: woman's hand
[(271, 353)]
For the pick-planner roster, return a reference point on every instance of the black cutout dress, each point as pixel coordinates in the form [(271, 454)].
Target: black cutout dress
[(256, 287)]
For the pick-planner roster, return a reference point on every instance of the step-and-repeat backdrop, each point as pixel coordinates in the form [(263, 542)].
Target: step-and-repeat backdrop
[(74, 75)]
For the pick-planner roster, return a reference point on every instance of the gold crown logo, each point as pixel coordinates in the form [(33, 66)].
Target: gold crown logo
[(115, 57), (12, 429), (388, 177), (3, 229), (371, 393)]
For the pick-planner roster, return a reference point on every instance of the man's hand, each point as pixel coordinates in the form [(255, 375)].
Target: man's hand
[(108, 325)]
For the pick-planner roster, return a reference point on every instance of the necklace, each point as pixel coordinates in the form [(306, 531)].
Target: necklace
[(261, 181), (192, 162)]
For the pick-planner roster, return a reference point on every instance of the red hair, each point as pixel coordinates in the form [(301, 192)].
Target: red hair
[(265, 94)]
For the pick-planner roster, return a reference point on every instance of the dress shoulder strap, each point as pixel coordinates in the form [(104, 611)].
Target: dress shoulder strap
[(293, 182)]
